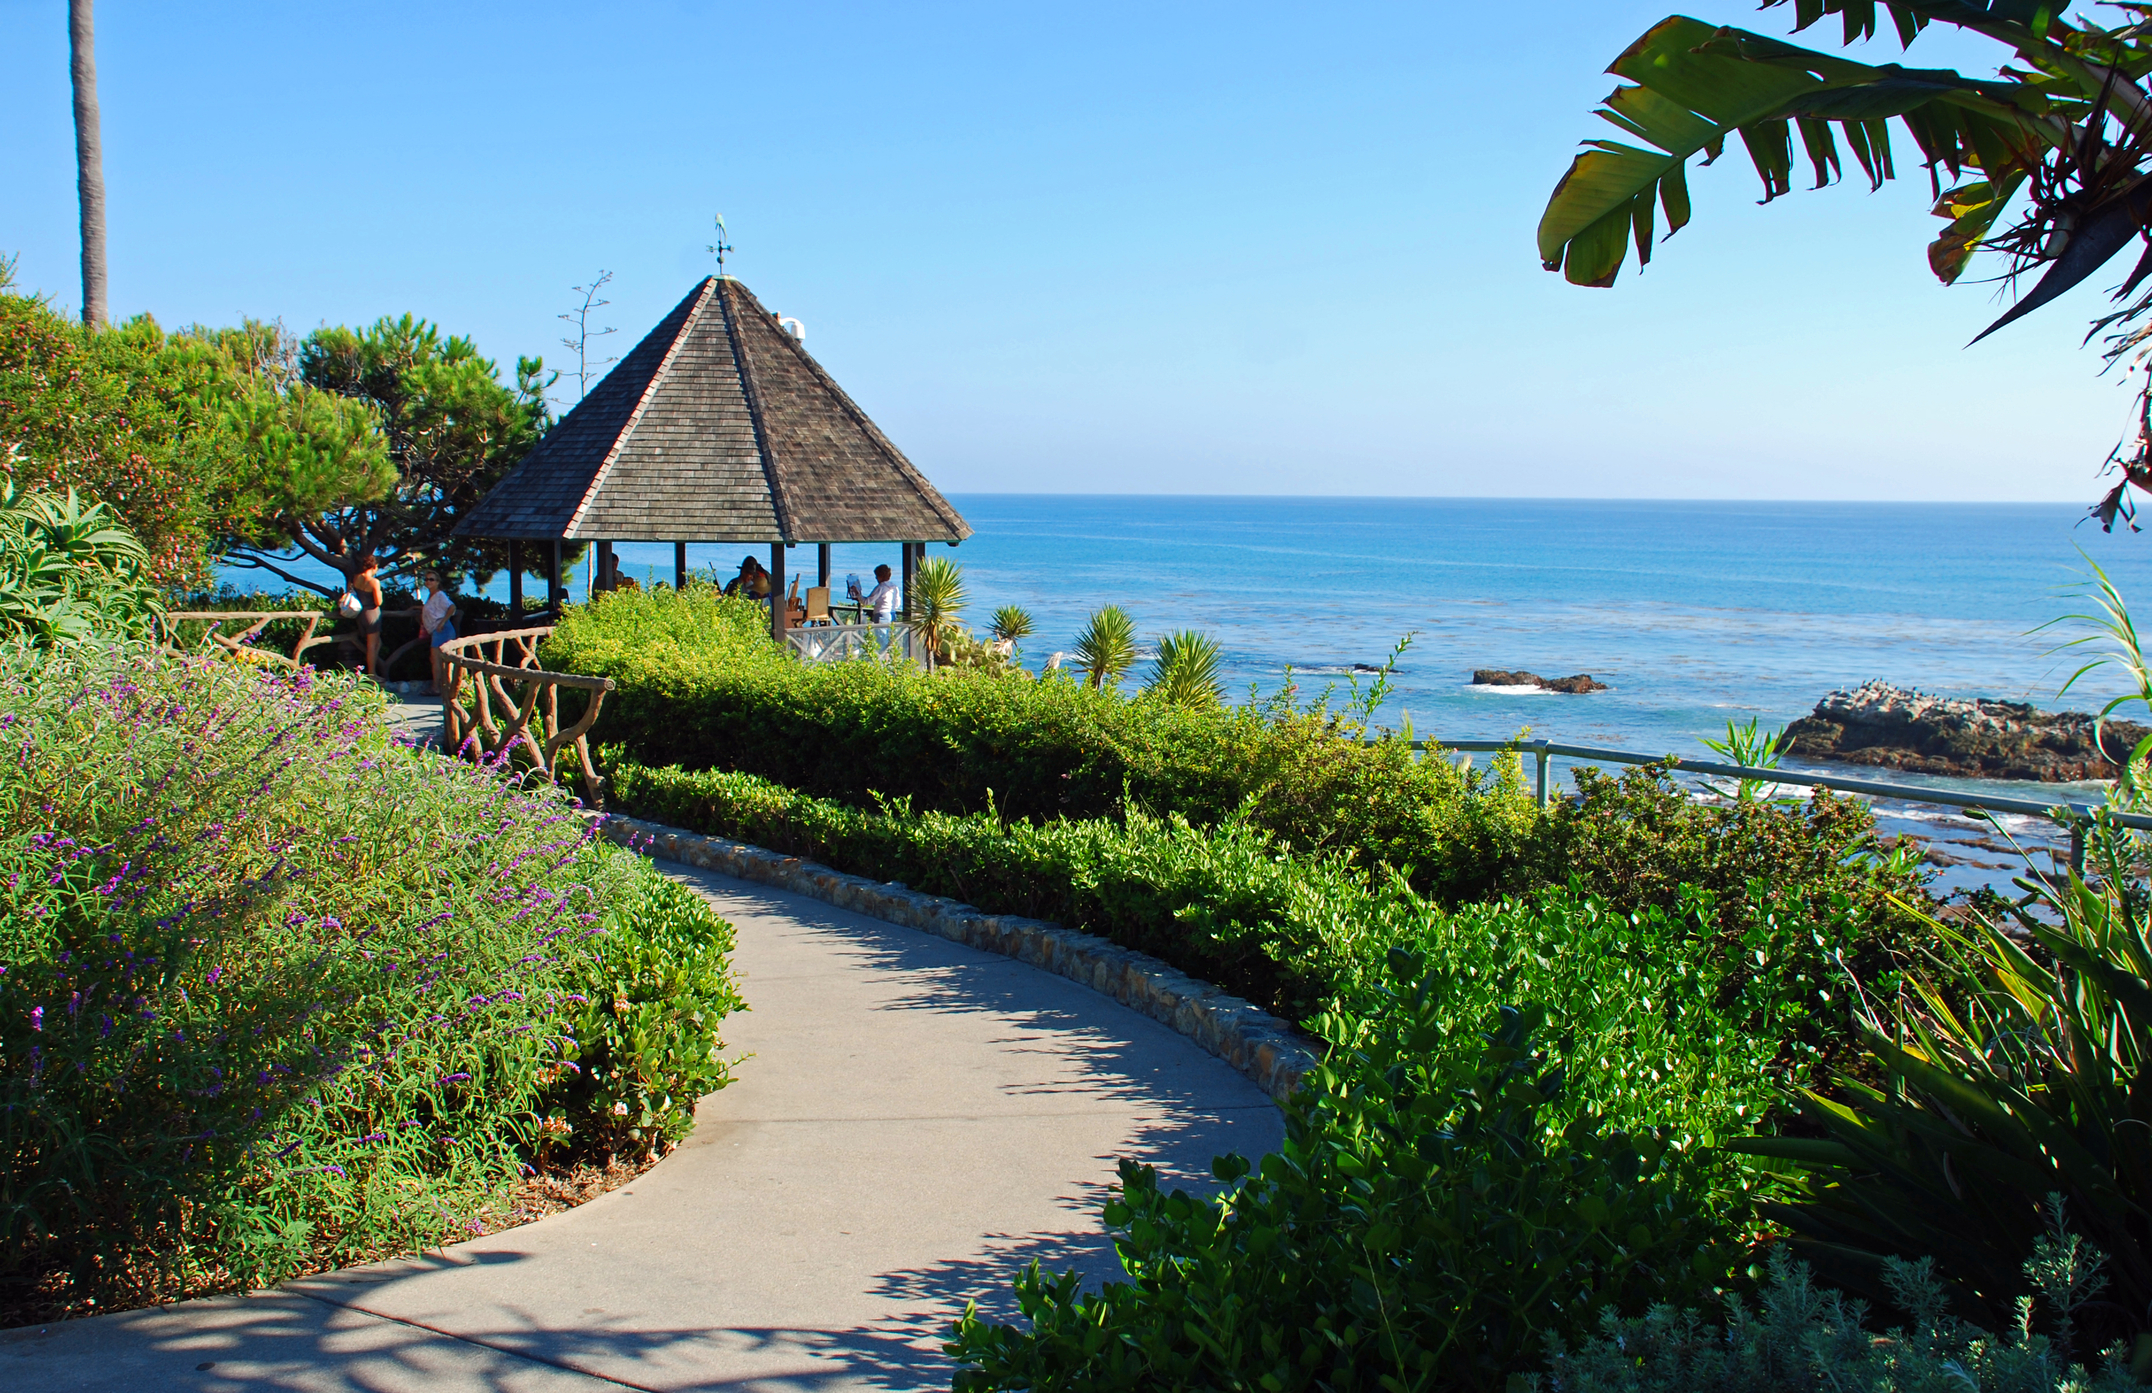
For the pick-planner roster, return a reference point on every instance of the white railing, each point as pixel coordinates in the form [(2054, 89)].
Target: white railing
[(844, 643)]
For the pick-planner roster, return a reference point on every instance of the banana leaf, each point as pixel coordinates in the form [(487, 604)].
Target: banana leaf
[(1696, 85)]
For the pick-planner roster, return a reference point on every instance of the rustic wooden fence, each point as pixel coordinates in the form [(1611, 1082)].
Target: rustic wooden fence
[(500, 703), (239, 640)]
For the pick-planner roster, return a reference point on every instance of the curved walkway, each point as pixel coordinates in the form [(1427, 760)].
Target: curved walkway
[(917, 1121)]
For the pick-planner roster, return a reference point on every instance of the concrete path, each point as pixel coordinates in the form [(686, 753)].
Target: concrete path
[(918, 1120), (416, 718)]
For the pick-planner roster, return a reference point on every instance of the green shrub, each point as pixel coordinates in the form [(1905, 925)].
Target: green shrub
[(703, 686), (277, 990), (650, 996), (130, 416), (1805, 1339), (1433, 1215), (1640, 839)]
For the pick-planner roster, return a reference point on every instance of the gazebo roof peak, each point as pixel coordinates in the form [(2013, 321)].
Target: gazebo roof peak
[(717, 427)]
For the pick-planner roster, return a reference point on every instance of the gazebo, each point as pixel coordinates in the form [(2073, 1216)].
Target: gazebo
[(717, 427)]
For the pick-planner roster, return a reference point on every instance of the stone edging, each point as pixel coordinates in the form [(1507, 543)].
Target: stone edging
[(1253, 1041)]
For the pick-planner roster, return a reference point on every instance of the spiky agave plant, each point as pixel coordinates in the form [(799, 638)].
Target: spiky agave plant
[(1186, 669), (937, 598), (1106, 649)]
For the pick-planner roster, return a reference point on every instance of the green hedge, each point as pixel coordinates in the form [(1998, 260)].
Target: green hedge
[(1223, 903), (1302, 935), (701, 685), (279, 992)]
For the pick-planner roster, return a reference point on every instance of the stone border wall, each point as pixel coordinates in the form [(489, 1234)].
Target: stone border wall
[(1253, 1041)]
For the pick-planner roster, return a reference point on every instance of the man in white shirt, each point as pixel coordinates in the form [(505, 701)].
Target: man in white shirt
[(885, 596)]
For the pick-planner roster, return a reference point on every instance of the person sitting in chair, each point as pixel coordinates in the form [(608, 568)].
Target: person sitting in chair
[(885, 596), (753, 581)]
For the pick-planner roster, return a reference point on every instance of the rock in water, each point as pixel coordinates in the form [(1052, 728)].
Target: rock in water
[(1890, 727), (1496, 677)]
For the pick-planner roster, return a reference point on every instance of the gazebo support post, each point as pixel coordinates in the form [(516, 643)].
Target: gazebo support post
[(515, 585), (679, 565), (822, 565), (602, 577), (904, 596), (777, 591), (554, 600)]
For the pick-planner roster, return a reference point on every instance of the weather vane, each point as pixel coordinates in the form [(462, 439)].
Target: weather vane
[(721, 246)]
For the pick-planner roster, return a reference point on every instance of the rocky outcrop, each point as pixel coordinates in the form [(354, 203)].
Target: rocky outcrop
[(1892, 728), (1496, 677)]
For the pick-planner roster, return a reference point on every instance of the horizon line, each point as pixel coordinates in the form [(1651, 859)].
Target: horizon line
[(1522, 498)]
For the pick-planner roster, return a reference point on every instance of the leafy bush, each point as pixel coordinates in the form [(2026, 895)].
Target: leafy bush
[(1640, 841), (128, 415), (278, 991), (702, 685), (651, 996), (1433, 1215), (1805, 1339)]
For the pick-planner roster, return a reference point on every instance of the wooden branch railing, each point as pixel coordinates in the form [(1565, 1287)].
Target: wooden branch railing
[(168, 626), (482, 669)]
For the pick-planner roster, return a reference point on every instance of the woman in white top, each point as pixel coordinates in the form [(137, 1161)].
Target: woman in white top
[(438, 619), (883, 599)]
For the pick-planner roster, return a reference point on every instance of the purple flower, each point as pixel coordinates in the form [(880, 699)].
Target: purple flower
[(37, 1018)]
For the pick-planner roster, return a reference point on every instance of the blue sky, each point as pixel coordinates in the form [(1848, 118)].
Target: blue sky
[(1182, 248)]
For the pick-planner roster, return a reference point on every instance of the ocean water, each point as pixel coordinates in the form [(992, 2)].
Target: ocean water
[(1693, 613)]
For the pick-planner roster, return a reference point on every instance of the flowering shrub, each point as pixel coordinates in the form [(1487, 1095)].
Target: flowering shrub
[(274, 990)]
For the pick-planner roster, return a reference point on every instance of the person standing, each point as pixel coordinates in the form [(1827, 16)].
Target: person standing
[(366, 589), (438, 619), (884, 597)]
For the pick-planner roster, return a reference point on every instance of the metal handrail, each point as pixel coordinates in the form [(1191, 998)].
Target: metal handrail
[(2073, 815)]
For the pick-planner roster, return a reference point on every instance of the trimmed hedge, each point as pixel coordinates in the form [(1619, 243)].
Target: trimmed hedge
[(702, 686), (1661, 989)]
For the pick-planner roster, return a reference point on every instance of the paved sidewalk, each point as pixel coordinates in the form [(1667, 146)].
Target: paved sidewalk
[(918, 1120), (416, 718)]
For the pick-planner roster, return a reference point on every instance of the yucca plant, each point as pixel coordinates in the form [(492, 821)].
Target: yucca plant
[(936, 599), (1010, 624), (2108, 621), (1186, 668), (1106, 649), (2005, 1078)]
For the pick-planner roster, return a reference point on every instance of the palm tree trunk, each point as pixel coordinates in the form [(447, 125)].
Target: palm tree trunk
[(89, 160)]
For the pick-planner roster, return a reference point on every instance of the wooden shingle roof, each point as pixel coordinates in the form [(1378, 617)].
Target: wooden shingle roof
[(717, 427)]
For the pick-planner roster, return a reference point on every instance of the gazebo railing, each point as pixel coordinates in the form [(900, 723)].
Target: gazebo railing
[(241, 640), (844, 643), (499, 722)]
